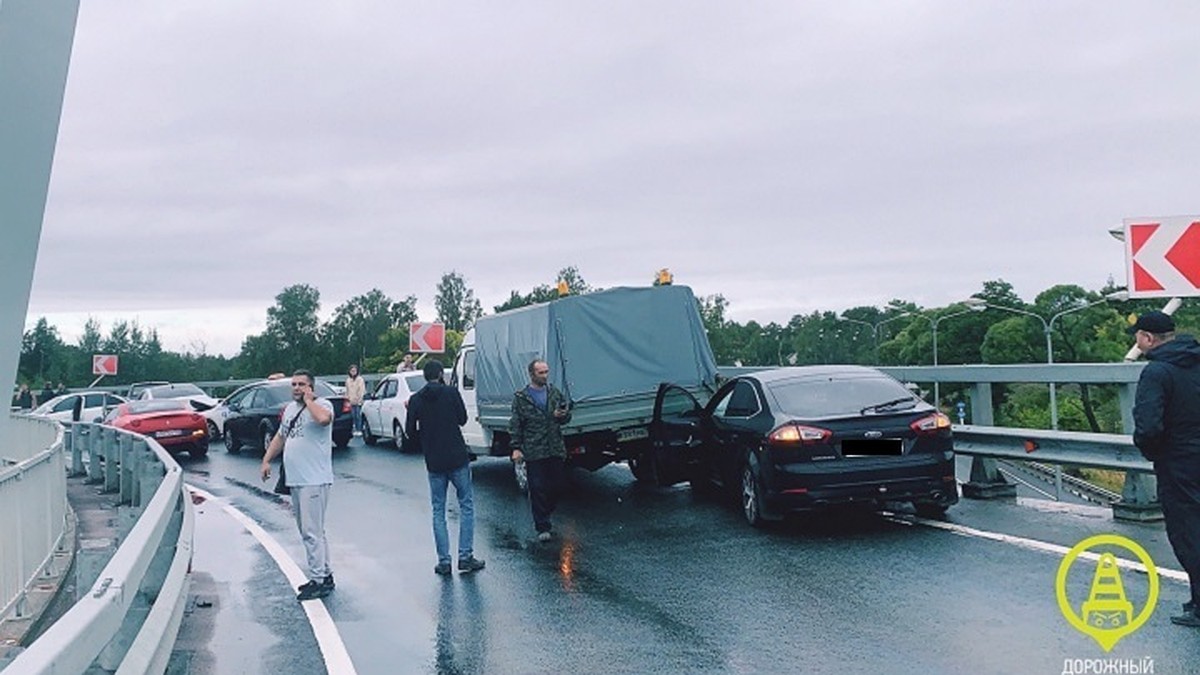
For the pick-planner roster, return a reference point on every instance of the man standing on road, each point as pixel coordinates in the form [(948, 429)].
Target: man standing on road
[(1166, 417), (434, 421), (538, 413), (305, 437)]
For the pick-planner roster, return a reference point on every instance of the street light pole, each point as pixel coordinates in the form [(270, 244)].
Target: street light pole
[(875, 327), (937, 390), (1048, 331)]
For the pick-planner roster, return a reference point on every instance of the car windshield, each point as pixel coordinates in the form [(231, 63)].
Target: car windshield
[(415, 382), (158, 405), (835, 396), (175, 391)]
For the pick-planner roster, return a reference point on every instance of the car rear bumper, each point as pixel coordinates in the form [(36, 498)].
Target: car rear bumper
[(798, 487)]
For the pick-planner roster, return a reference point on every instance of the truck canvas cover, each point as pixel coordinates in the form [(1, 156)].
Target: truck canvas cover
[(602, 345)]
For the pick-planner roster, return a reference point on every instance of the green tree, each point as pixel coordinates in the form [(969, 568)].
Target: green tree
[(355, 332), (455, 303), (544, 293), (42, 354)]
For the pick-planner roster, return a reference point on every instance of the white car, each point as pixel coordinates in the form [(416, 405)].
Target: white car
[(384, 409), (189, 392), (94, 406)]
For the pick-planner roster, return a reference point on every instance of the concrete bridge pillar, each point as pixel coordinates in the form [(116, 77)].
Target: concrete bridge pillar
[(35, 50)]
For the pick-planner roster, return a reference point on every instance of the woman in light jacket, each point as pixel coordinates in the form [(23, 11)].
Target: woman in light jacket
[(356, 391)]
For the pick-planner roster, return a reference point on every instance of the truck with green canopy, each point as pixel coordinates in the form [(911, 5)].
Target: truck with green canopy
[(608, 351)]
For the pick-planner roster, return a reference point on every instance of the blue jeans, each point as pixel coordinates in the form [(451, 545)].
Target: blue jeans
[(356, 412), (438, 482)]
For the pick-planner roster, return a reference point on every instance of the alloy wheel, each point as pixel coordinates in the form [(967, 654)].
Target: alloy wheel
[(750, 501)]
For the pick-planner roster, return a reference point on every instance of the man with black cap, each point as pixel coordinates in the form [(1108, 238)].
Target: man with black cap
[(434, 422), (1166, 418)]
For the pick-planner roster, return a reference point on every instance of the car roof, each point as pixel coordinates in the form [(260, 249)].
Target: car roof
[(775, 375)]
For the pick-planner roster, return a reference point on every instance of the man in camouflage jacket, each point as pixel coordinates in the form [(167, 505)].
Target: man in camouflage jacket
[(538, 413)]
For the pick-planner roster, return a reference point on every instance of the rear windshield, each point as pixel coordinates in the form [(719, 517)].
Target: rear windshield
[(155, 405), (415, 382), (833, 396)]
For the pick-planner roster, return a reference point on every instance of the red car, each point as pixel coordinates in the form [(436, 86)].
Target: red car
[(172, 422)]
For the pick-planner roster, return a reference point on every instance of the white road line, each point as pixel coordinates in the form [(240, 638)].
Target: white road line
[(337, 659), (1042, 546)]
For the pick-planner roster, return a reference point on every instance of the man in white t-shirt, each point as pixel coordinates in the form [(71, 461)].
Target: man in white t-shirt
[(305, 437)]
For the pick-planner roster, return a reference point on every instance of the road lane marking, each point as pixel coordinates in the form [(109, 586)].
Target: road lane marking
[(1037, 545), (329, 640)]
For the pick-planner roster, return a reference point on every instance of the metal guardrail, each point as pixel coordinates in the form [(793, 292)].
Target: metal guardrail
[(1100, 451), (1138, 499), (128, 620), (33, 504)]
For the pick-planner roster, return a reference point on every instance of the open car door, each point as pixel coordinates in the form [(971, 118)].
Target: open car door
[(676, 435)]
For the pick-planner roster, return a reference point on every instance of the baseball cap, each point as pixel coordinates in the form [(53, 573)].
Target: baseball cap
[(1153, 322)]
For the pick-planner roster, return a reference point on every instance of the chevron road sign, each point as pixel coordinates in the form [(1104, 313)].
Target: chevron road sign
[(427, 337), (104, 364), (1162, 256)]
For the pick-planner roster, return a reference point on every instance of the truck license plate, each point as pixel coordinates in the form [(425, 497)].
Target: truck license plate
[(632, 435)]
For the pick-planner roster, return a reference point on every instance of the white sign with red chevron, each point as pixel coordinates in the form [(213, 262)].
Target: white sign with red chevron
[(104, 364), (1162, 256), (427, 337)]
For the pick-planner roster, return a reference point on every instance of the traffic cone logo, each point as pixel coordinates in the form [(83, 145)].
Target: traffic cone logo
[(1106, 615)]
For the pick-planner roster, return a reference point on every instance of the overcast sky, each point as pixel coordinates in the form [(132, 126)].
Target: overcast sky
[(790, 156)]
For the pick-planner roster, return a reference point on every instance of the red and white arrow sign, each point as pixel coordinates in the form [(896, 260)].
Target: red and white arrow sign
[(1162, 256), (104, 364), (427, 337)]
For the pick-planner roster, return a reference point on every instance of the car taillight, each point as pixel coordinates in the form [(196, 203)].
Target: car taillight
[(195, 417), (791, 434), (931, 424), (346, 405), (135, 423)]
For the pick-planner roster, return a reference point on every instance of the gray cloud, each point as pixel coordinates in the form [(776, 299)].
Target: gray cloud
[(792, 157)]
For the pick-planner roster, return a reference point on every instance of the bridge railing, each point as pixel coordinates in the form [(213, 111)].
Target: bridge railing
[(33, 507), (129, 617)]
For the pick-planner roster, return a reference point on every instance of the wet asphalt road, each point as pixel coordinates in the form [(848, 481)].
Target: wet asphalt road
[(645, 580)]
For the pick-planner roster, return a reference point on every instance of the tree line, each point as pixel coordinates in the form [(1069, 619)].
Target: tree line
[(371, 329)]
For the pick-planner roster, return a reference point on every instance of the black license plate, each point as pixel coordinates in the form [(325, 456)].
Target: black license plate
[(871, 447)]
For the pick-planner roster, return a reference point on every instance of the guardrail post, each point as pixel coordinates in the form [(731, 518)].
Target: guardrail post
[(95, 470), (986, 481), (151, 473), (127, 467), (1139, 496), (112, 462), (72, 449)]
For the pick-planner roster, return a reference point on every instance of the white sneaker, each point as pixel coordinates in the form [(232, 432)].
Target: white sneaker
[(545, 536)]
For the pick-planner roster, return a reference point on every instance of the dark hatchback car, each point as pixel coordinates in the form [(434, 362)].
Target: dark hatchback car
[(795, 439), (255, 411)]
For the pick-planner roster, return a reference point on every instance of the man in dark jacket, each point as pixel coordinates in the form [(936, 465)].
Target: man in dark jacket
[(535, 429), (1166, 417), (434, 422)]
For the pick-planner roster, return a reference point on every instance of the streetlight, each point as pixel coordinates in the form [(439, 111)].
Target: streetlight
[(875, 327), (1048, 331), (971, 307)]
